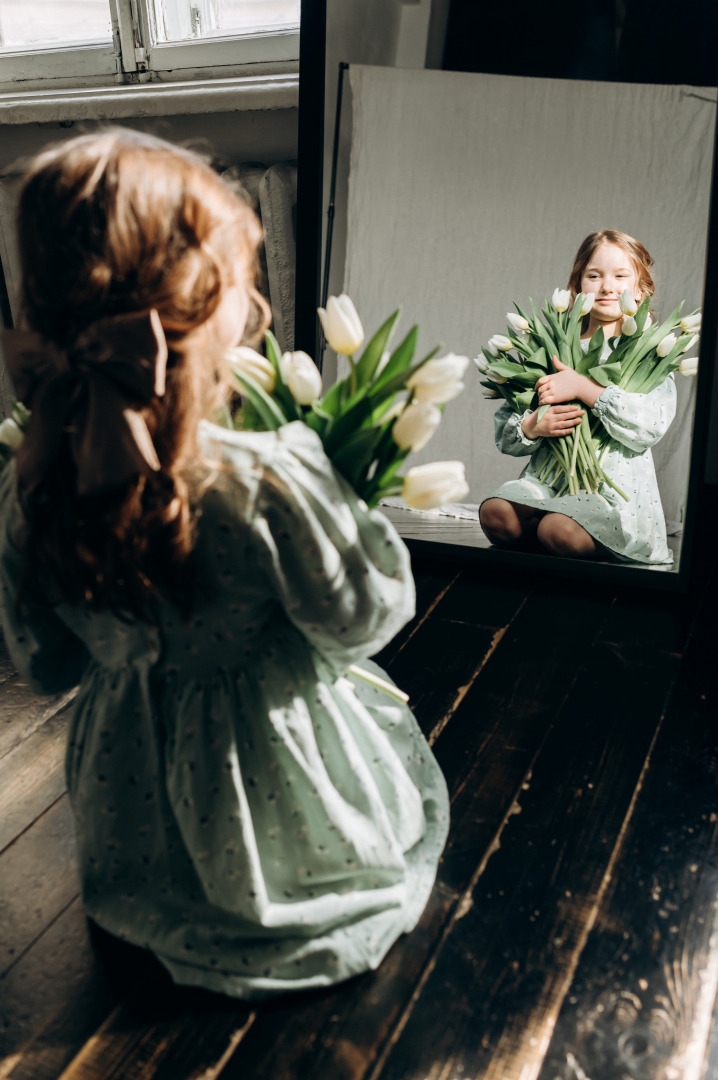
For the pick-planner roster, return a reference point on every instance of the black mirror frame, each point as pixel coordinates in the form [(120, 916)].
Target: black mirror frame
[(312, 45)]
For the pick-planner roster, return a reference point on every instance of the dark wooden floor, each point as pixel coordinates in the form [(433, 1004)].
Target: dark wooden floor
[(573, 929)]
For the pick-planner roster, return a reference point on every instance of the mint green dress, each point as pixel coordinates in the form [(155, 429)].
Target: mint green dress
[(259, 819)]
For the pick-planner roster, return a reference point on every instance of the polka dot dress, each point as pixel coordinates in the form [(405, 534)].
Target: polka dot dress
[(633, 530), (244, 809)]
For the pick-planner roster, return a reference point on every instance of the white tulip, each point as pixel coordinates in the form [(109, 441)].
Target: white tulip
[(588, 302), (490, 347), (416, 425), (665, 345), (561, 299), (341, 325), (302, 376), (499, 341), (627, 302), (482, 363), (428, 486), (517, 322), (496, 378), (691, 343), (689, 365), (10, 434), (691, 323), (439, 381), (629, 326), (246, 361), (487, 393)]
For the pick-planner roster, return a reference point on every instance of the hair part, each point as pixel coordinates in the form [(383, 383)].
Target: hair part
[(121, 222)]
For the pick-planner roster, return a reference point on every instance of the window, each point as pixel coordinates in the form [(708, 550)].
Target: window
[(46, 43)]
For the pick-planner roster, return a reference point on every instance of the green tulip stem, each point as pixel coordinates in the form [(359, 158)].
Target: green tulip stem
[(379, 684), (576, 439), (353, 375)]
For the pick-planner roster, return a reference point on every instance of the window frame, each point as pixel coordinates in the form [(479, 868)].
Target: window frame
[(136, 55)]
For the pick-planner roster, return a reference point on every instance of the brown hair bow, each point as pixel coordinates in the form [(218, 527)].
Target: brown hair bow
[(92, 391)]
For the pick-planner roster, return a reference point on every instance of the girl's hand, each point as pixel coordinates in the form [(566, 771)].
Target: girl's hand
[(567, 385), (559, 420)]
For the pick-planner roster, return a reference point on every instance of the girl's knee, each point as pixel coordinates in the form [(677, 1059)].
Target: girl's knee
[(500, 521), (561, 535)]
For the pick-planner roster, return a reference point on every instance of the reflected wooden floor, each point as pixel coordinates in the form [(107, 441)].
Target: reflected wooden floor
[(430, 527), (572, 932)]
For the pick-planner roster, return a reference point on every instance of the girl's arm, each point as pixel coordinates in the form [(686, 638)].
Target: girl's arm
[(44, 650), (521, 433), (509, 432), (637, 421), (340, 571)]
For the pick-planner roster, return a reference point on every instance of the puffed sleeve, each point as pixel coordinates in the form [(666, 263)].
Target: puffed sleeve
[(637, 421), (508, 432), (44, 650), (340, 570)]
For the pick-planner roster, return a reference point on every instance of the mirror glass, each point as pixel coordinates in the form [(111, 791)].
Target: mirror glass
[(459, 193)]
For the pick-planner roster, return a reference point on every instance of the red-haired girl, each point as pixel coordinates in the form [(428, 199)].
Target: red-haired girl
[(243, 808), (528, 511)]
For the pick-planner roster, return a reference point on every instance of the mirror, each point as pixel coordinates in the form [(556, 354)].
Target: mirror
[(459, 193)]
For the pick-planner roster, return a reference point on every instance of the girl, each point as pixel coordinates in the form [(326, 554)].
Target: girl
[(526, 512), (242, 807)]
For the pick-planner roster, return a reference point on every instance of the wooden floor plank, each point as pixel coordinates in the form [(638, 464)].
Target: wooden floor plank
[(503, 970), (469, 620), (38, 880), (32, 777), (23, 712), (432, 581), (55, 996), (645, 989)]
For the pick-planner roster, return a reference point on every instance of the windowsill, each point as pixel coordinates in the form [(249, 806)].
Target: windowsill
[(244, 93)]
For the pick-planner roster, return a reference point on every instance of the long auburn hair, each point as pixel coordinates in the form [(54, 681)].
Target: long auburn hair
[(638, 254), (121, 222)]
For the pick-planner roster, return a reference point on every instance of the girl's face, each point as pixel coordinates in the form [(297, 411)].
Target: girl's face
[(608, 272)]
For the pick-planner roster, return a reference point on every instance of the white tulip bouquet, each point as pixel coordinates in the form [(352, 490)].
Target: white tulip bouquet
[(641, 357), (370, 420)]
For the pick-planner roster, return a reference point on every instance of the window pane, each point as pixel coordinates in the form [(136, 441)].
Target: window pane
[(244, 15), (182, 19), (26, 24)]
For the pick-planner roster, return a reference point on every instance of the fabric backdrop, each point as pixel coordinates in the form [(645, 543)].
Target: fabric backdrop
[(469, 191)]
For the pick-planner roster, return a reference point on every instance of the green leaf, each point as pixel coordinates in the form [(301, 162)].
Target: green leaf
[(538, 359), (374, 350), (593, 354), (400, 359), (642, 314), (355, 455), (525, 399), (541, 332), (266, 407), (543, 409), (281, 393), (576, 315), (606, 374), (274, 353)]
